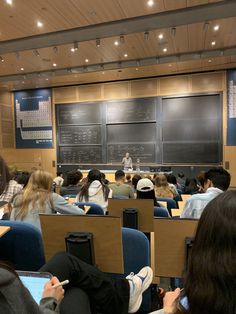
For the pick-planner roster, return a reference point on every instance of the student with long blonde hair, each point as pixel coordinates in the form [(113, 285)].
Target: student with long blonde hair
[(37, 197)]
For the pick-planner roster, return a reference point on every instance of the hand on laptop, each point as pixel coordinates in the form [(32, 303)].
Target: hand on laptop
[(50, 292)]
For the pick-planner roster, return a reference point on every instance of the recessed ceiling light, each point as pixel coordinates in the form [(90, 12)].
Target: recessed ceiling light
[(54, 64), (103, 72), (22, 69), (72, 49), (216, 27), (1, 59), (46, 79), (150, 3), (125, 55), (170, 65), (209, 60), (160, 36), (86, 60), (116, 43), (165, 50), (39, 24), (213, 43), (136, 69), (9, 2)]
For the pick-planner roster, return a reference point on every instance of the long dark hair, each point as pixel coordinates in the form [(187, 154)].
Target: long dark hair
[(148, 195), (210, 283), (93, 175), (5, 176)]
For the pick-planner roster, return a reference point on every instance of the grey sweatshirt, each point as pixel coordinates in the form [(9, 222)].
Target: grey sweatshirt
[(16, 299)]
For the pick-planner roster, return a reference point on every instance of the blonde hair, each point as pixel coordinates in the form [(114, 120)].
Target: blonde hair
[(38, 190), (161, 180)]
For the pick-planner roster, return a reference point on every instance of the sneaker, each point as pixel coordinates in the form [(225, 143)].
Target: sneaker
[(138, 284)]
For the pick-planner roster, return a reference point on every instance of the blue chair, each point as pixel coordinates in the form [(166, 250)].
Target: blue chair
[(170, 203), (22, 246), (120, 197), (161, 212), (94, 209), (136, 251)]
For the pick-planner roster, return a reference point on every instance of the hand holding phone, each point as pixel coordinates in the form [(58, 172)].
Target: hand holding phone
[(171, 301)]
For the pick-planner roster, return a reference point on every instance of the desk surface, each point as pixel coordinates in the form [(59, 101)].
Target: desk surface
[(4, 229)]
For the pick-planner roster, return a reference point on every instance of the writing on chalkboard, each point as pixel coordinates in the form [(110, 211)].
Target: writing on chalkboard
[(89, 134), (80, 154)]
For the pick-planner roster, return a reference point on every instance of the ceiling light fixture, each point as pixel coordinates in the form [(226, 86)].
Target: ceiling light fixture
[(116, 43), (146, 35), (86, 60), (54, 64), (209, 60), (122, 39), (36, 53), (39, 24), (1, 59), (125, 55), (22, 69), (98, 42), (9, 2), (165, 50), (213, 43), (160, 36), (75, 47), (216, 28), (150, 3), (173, 31)]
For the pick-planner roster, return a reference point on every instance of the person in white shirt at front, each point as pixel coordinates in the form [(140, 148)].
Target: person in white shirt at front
[(127, 162), (217, 180)]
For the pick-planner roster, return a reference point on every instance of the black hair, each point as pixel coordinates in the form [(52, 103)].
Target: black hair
[(5, 176), (93, 175), (23, 178), (210, 283), (135, 180), (219, 177), (181, 175), (171, 179), (150, 195), (119, 175), (59, 173), (191, 186)]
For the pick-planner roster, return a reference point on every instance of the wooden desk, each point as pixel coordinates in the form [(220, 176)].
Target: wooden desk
[(4, 229)]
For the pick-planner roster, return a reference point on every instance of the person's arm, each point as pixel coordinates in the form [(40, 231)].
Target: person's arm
[(188, 209), (63, 207), (131, 193), (123, 161), (131, 163)]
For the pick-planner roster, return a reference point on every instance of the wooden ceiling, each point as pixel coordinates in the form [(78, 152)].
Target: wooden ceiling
[(19, 20)]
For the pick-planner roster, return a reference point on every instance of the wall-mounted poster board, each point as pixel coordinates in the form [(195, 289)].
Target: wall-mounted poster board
[(33, 119), (231, 112)]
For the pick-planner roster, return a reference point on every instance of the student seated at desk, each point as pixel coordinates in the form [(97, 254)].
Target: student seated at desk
[(210, 282), (145, 190), (72, 184), (162, 188), (95, 190), (37, 198), (85, 283), (119, 188)]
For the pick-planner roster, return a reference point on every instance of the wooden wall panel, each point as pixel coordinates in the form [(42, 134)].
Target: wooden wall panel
[(143, 88), (90, 92), (230, 156), (207, 82), (116, 90), (174, 85), (65, 94)]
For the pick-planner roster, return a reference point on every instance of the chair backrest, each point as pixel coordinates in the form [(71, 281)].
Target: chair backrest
[(134, 242), (120, 196), (94, 209), (170, 203), (161, 212), (22, 246)]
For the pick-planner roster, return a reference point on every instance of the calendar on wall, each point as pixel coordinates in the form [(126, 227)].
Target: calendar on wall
[(33, 119), (231, 107)]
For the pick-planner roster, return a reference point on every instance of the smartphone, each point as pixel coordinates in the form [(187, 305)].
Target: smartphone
[(34, 282), (183, 302)]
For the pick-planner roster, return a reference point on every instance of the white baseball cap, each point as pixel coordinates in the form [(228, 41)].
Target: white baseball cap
[(145, 185)]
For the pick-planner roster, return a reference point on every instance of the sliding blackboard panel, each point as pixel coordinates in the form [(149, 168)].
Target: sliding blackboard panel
[(191, 107), (205, 153), (132, 110), (191, 130), (145, 152), (89, 134), (131, 133), (79, 113), (80, 154)]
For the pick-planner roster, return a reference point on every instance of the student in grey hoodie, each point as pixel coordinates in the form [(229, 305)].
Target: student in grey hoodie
[(95, 190)]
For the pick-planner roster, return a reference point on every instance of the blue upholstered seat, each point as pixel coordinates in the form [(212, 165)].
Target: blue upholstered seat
[(161, 212), (22, 246), (94, 209)]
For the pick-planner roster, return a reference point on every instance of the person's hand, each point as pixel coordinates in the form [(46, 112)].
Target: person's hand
[(170, 301), (7, 208), (50, 292)]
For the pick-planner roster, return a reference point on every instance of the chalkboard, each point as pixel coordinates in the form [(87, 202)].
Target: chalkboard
[(89, 134), (191, 129), (192, 153), (145, 152), (80, 154), (134, 110), (79, 113), (131, 133)]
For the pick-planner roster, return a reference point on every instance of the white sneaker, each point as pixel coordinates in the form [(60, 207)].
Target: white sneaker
[(138, 284)]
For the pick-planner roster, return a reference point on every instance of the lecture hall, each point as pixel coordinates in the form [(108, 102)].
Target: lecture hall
[(118, 156)]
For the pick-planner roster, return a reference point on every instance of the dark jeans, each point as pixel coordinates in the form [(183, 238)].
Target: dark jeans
[(85, 280)]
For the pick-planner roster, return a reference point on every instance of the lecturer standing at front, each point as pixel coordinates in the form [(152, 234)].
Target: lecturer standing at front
[(127, 162)]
